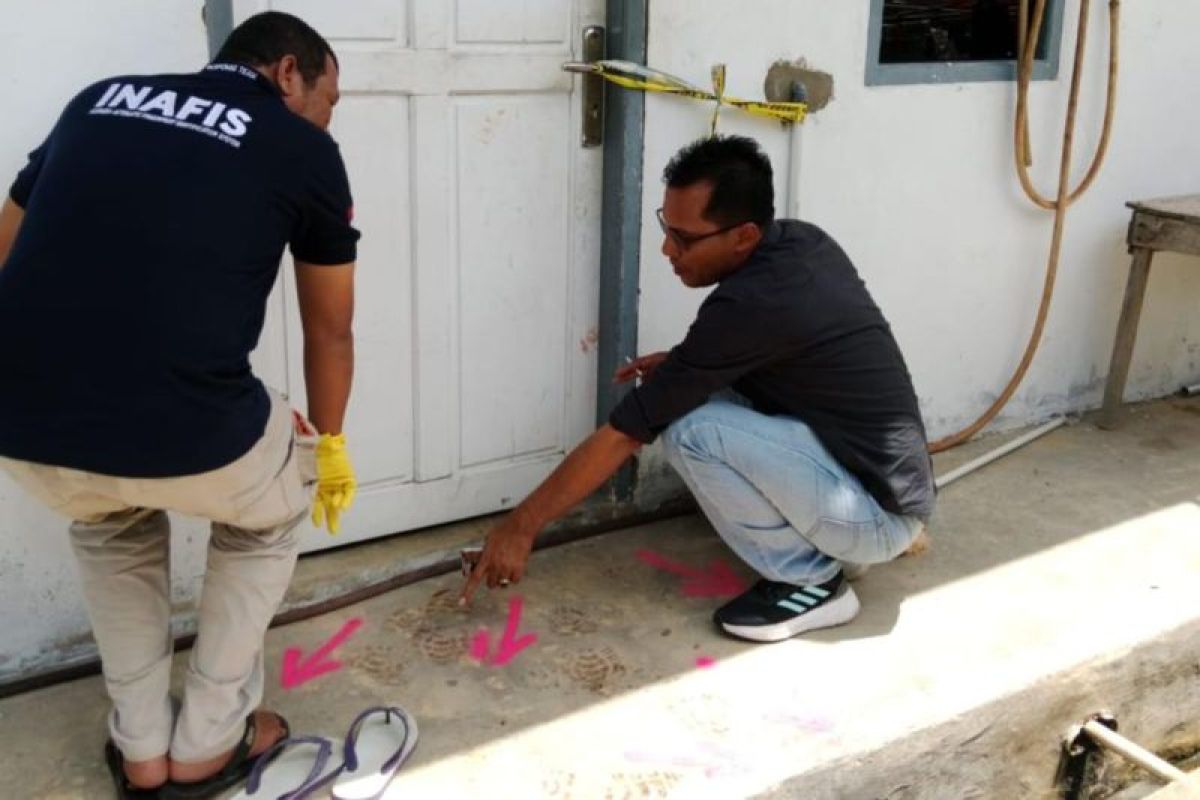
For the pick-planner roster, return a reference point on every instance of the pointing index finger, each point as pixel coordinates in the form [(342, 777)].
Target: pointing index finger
[(473, 579)]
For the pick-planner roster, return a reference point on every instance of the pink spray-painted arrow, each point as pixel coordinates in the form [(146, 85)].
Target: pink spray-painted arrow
[(296, 672), (510, 644), (716, 581)]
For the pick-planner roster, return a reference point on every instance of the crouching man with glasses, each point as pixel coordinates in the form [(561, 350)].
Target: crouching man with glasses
[(787, 409)]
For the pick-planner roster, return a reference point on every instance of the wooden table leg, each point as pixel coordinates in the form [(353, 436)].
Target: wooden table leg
[(1131, 312)]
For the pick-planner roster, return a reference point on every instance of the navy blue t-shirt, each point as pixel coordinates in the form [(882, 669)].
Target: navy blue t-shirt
[(156, 215)]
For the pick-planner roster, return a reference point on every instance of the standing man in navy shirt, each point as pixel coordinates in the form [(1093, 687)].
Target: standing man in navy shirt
[(787, 409), (137, 251)]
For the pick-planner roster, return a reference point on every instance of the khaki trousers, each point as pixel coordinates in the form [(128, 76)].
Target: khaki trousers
[(121, 539)]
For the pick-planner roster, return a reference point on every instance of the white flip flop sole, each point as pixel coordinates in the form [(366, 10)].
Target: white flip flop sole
[(291, 769), (378, 741)]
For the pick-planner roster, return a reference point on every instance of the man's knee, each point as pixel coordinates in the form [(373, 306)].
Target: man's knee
[(697, 434), (675, 439)]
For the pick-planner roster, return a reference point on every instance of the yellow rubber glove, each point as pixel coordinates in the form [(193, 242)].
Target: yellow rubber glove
[(335, 481)]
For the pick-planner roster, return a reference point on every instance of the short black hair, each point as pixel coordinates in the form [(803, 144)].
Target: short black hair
[(265, 38), (740, 174)]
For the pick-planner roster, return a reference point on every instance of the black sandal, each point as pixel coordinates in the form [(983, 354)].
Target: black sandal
[(125, 789), (235, 771)]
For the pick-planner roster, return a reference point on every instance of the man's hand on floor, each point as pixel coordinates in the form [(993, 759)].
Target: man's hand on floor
[(502, 562)]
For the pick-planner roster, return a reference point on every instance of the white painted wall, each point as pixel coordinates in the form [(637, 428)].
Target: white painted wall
[(48, 52), (917, 183)]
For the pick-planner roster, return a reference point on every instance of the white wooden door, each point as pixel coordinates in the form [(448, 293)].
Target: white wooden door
[(478, 270)]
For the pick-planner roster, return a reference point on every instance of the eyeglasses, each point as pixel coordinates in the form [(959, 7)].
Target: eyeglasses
[(684, 240)]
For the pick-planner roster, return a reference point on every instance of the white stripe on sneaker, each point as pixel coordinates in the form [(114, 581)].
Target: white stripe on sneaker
[(803, 598), (837, 611), (817, 590), (790, 606)]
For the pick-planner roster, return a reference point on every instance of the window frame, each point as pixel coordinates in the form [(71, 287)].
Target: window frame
[(1044, 69)]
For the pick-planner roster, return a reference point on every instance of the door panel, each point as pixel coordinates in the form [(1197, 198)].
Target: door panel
[(512, 154), (528, 22), (478, 271)]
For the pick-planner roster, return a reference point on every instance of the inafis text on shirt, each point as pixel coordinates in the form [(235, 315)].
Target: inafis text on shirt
[(166, 106)]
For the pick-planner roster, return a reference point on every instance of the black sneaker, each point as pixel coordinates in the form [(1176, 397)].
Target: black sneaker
[(772, 612)]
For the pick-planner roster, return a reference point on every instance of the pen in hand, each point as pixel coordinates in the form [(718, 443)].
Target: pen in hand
[(637, 370)]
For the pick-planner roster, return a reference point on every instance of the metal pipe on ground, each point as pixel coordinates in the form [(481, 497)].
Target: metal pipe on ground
[(987, 458), (1133, 752), (584, 523)]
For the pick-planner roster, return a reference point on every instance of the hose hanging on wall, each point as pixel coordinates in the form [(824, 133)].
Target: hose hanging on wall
[(1028, 50)]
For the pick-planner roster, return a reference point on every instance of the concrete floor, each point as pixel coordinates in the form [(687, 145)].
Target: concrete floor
[(1061, 581)]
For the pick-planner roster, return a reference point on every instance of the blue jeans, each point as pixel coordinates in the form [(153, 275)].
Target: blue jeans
[(776, 495)]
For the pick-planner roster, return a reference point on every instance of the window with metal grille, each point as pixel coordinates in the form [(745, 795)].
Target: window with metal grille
[(952, 41)]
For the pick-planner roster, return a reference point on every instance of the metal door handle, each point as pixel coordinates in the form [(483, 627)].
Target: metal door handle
[(592, 95)]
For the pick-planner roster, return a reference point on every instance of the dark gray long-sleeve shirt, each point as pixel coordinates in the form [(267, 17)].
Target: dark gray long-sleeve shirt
[(796, 332)]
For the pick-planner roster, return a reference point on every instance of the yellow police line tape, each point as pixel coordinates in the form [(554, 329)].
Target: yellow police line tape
[(635, 76)]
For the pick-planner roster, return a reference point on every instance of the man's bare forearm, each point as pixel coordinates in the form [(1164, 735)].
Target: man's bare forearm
[(11, 215), (583, 471), (328, 373)]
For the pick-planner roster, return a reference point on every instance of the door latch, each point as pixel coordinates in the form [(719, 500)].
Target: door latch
[(592, 95)]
